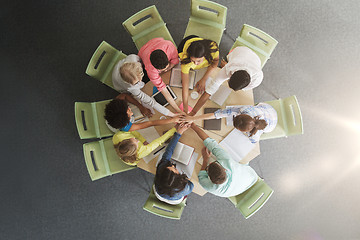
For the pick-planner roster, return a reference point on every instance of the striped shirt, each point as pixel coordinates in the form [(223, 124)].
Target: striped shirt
[(262, 110)]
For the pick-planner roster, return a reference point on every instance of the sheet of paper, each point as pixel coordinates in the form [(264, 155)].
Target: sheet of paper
[(237, 145), (221, 95), (188, 169)]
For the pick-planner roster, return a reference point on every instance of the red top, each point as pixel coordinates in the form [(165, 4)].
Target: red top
[(154, 44)]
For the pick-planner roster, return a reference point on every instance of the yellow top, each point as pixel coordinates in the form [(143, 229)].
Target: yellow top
[(143, 150), (185, 68)]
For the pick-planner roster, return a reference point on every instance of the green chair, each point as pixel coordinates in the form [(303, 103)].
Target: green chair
[(289, 118), (89, 118), (207, 20), (101, 159), (258, 41), (162, 209), (102, 63), (146, 25), (250, 201)]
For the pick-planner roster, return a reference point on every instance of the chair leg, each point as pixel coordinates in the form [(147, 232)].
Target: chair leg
[(228, 35), (147, 183), (269, 91)]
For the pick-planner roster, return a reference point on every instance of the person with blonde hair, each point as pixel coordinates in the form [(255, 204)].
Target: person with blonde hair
[(132, 146), (128, 76)]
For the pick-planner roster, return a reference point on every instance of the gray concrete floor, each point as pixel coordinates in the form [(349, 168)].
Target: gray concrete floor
[(45, 190)]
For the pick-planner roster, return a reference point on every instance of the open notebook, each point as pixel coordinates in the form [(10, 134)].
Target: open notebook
[(220, 96), (237, 145), (194, 77), (182, 153)]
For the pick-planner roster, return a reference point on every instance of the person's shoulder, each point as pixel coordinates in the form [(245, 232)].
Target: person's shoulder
[(132, 58)]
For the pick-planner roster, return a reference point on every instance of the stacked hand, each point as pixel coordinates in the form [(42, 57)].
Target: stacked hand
[(182, 127)]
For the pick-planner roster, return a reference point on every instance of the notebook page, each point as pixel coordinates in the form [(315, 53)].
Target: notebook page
[(221, 95), (237, 145)]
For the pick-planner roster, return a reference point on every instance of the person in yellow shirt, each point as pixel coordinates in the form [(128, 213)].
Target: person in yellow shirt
[(196, 53), (131, 146)]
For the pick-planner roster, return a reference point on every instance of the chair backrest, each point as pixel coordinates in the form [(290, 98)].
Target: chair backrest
[(289, 118), (146, 25), (292, 116), (250, 201), (162, 209), (102, 63), (207, 20), (89, 118), (101, 159), (211, 11), (258, 41)]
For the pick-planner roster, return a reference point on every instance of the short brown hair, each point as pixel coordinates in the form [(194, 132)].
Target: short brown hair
[(216, 173), (239, 80), (159, 59)]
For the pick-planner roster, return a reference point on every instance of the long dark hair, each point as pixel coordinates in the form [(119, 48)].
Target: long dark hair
[(243, 121), (201, 48), (167, 182)]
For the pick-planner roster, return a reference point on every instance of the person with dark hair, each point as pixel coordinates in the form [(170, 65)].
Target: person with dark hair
[(252, 120), (196, 53), (170, 185), (243, 72), (159, 56), (118, 115), (129, 76), (224, 177)]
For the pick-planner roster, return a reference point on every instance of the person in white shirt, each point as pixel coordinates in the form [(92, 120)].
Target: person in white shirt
[(128, 75), (243, 72)]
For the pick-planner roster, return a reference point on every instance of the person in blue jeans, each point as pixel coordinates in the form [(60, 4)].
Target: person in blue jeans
[(170, 184)]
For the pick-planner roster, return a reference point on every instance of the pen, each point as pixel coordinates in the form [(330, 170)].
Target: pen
[(159, 150)]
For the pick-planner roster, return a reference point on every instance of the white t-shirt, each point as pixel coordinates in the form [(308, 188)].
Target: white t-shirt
[(120, 85), (241, 58)]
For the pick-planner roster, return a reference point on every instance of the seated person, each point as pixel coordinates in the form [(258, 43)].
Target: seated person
[(171, 186), (131, 146), (158, 56), (118, 116), (253, 120), (196, 53), (225, 177), (243, 71), (128, 75)]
